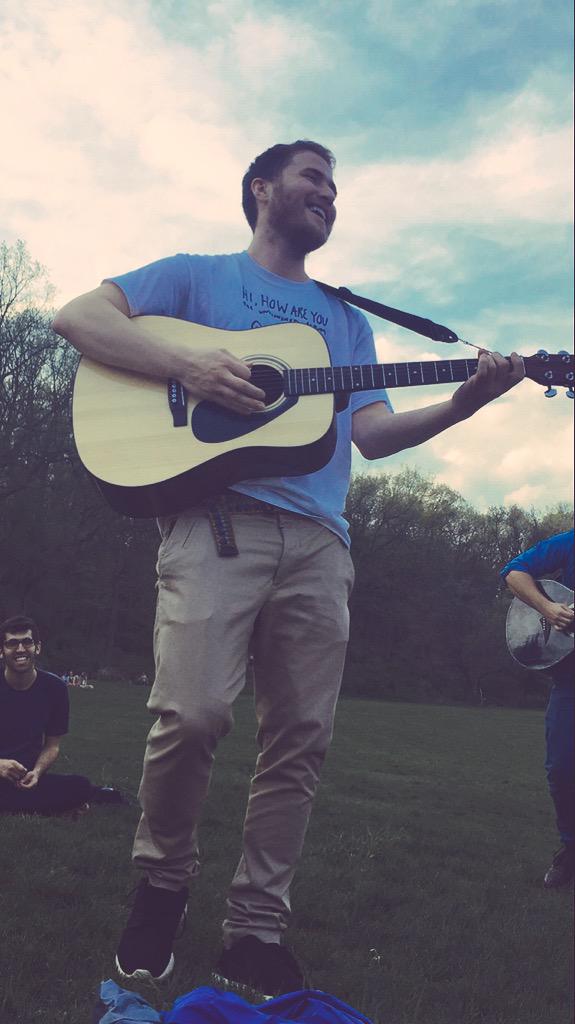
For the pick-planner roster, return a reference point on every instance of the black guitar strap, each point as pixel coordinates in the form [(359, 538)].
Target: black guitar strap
[(413, 323)]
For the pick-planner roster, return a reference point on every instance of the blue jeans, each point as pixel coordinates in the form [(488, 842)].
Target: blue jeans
[(559, 737)]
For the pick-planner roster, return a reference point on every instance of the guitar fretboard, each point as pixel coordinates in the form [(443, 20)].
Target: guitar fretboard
[(323, 380)]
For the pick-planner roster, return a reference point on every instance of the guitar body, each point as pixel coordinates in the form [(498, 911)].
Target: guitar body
[(153, 450), (146, 466), (531, 640)]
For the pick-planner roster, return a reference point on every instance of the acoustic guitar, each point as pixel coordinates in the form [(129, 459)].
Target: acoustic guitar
[(155, 450), (531, 639)]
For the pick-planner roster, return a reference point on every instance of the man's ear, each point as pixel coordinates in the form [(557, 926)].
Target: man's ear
[(261, 188), (38, 646)]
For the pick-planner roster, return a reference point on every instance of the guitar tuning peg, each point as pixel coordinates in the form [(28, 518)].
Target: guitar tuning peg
[(562, 352), (541, 352), (569, 393), (550, 393)]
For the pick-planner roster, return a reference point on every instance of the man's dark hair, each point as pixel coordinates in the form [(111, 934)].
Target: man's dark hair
[(270, 164), (19, 624)]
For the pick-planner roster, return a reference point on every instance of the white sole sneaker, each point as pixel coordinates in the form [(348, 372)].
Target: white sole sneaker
[(140, 974)]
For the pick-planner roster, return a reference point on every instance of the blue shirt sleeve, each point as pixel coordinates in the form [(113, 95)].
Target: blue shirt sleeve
[(161, 288), (554, 555)]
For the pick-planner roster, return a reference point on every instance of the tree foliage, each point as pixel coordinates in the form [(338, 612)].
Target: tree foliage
[(428, 607)]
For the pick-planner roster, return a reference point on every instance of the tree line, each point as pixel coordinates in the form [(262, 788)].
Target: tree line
[(427, 610)]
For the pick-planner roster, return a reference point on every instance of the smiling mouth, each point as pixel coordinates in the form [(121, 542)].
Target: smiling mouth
[(319, 212)]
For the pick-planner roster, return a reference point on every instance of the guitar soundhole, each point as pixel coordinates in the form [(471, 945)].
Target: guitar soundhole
[(269, 380)]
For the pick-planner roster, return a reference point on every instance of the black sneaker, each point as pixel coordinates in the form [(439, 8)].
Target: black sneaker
[(261, 967), (145, 949), (562, 869)]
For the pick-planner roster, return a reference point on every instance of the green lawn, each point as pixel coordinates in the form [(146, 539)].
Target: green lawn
[(418, 901)]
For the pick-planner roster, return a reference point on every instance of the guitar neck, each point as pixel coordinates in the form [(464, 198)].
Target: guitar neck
[(323, 380)]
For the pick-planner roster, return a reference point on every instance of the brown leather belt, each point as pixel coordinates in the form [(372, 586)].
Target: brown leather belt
[(220, 509)]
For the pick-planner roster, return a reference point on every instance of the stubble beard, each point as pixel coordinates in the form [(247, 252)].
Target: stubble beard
[(286, 220)]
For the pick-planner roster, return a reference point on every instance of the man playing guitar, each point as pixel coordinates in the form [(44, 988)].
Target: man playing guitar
[(284, 589), (550, 557)]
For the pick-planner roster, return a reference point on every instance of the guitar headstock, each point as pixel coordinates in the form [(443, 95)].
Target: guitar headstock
[(551, 370)]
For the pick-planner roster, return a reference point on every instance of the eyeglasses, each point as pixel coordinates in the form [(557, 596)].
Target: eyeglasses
[(13, 645)]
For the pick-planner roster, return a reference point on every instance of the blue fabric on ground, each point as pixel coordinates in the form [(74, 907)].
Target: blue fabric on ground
[(208, 1005), (309, 1006), (123, 1007)]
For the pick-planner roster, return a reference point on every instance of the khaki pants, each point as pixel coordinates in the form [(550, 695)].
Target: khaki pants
[(287, 593)]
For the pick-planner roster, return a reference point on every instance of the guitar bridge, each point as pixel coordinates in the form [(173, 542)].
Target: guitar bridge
[(546, 627), (178, 402)]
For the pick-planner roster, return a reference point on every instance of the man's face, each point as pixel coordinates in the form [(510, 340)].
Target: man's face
[(301, 206), (19, 651)]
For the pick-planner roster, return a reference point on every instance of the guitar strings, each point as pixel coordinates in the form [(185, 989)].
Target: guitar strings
[(272, 374), (279, 376)]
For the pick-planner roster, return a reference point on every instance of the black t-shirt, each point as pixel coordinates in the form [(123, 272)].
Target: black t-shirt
[(27, 716)]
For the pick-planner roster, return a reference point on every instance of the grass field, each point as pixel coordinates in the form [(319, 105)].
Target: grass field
[(418, 901)]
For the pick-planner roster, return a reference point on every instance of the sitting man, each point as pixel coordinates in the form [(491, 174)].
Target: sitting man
[(33, 718), (554, 557)]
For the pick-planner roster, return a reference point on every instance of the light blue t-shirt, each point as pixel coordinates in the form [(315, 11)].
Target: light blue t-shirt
[(235, 293)]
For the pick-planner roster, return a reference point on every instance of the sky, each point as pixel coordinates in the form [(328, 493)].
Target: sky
[(127, 127)]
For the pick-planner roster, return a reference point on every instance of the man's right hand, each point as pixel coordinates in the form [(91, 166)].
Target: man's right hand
[(11, 770), (216, 375), (99, 325), (559, 615)]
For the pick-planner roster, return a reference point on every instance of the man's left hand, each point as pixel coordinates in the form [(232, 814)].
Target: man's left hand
[(30, 780), (494, 376)]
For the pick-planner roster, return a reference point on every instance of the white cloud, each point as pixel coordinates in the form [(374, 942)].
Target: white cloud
[(518, 449), (394, 345), (518, 178), (521, 443), (524, 329), (412, 221), (397, 219), (528, 495), (120, 148), (123, 148), (260, 47)]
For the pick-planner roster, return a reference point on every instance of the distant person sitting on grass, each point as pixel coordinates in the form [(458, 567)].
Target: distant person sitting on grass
[(554, 557), (34, 711)]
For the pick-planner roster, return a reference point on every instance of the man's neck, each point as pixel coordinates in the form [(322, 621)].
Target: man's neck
[(273, 254), (20, 681)]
